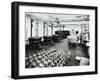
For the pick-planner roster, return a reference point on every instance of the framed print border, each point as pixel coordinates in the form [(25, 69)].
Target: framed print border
[(15, 39)]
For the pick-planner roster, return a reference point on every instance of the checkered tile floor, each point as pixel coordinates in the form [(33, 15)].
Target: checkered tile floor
[(47, 58)]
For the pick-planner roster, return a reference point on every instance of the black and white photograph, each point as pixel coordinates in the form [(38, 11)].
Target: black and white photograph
[(56, 40), (50, 40)]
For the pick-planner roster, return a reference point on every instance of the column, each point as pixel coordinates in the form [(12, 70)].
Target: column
[(31, 26), (44, 28), (37, 24), (51, 29)]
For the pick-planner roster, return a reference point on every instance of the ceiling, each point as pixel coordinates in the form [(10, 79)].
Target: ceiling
[(61, 17)]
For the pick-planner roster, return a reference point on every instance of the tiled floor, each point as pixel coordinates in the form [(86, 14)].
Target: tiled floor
[(52, 56)]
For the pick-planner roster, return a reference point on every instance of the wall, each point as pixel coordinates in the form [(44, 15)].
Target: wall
[(69, 26), (5, 40)]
